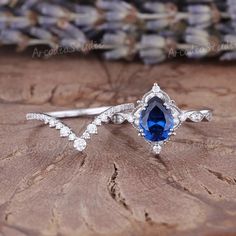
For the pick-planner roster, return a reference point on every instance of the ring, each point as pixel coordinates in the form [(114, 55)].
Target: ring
[(156, 117)]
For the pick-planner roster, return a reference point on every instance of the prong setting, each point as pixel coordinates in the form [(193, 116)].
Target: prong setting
[(156, 149), (169, 105)]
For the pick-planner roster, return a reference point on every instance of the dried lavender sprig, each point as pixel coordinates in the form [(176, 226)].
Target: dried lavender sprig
[(125, 29)]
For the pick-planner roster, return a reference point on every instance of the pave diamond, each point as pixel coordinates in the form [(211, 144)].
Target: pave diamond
[(92, 128), (209, 116), (64, 132), (156, 149), (97, 121), (136, 122), (80, 144), (196, 117), (46, 120), (104, 118), (118, 119), (72, 137), (39, 117), (59, 125), (155, 88), (86, 135), (52, 123)]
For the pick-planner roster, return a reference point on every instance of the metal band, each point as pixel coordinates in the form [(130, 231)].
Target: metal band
[(187, 115), (196, 115), (80, 142), (78, 112)]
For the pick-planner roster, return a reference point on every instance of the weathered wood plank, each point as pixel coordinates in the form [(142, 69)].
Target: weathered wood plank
[(116, 187)]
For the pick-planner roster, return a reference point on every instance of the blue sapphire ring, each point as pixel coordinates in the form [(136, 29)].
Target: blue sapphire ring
[(156, 117)]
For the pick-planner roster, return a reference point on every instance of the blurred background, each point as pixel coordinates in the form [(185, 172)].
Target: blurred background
[(149, 31)]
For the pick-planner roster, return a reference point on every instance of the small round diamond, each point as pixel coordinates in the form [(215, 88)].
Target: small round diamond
[(38, 117), (118, 119), (64, 132), (92, 128), (59, 125), (136, 122), (97, 121), (46, 120), (156, 149), (209, 116), (72, 137), (80, 144), (155, 88), (86, 135), (104, 118), (52, 123), (196, 117)]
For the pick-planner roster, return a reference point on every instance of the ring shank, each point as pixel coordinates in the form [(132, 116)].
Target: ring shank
[(78, 112), (187, 115), (196, 115)]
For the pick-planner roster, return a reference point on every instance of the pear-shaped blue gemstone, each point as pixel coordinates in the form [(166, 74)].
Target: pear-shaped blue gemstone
[(156, 121)]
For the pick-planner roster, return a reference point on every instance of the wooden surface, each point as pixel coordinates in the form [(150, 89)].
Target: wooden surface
[(116, 187)]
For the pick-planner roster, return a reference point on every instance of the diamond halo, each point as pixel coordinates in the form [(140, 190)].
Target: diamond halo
[(169, 105)]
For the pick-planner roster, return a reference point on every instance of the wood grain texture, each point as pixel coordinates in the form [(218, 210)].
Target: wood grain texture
[(116, 187)]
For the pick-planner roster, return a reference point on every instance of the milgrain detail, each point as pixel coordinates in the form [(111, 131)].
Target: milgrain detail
[(197, 116)]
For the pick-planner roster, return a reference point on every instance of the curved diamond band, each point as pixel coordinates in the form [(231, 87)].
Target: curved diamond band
[(156, 117)]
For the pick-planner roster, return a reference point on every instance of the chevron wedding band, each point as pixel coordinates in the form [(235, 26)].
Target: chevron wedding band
[(156, 118)]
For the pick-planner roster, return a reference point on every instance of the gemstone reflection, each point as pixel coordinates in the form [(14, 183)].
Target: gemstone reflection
[(156, 121)]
